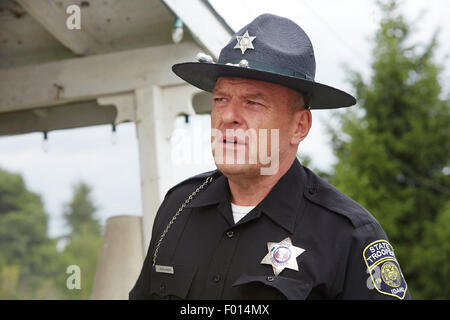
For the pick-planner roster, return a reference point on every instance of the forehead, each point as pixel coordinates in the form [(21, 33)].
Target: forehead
[(231, 85)]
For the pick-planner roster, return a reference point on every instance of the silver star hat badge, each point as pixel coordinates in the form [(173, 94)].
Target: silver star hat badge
[(282, 255), (244, 42)]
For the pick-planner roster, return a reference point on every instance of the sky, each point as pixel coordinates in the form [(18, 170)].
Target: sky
[(341, 33)]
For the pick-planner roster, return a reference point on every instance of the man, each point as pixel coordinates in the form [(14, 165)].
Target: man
[(262, 226)]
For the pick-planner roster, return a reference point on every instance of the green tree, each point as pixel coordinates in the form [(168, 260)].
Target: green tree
[(84, 241), (393, 153), (80, 212), (28, 258)]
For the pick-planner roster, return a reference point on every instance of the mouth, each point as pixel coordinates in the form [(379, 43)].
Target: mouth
[(232, 141)]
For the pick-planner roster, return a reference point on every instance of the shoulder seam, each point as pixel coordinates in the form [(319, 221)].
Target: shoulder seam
[(321, 193), (198, 176)]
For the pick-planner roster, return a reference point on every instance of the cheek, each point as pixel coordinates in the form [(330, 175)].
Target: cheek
[(216, 135), (284, 134), (217, 113), (276, 123), (214, 118)]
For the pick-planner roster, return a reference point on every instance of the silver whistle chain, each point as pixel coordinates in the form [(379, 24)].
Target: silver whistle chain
[(191, 196)]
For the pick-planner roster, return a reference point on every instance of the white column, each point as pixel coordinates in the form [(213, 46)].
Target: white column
[(156, 110), (154, 153)]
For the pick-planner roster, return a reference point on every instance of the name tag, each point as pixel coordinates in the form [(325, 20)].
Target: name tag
[(164, 269)]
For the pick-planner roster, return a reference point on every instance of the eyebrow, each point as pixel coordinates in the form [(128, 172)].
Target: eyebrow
[(217, 91), (256, 95)]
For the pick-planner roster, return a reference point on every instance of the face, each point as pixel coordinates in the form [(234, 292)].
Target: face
[(254, 125)]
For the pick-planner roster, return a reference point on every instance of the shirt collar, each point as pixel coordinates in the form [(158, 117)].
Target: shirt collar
[(280, 205), (283, 201)]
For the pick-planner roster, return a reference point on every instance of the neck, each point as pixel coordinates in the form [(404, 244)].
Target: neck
[(249, 191)]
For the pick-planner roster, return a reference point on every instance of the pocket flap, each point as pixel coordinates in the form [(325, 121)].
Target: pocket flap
[(172, 285), (292, 289)]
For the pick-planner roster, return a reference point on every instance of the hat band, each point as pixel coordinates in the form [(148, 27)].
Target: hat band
[(271, 68)]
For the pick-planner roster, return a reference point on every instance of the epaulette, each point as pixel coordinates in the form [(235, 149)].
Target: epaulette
[(325, 195), (197, 177)]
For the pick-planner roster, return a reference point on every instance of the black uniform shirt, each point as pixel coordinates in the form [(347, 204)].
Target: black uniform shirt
[(214, 258)]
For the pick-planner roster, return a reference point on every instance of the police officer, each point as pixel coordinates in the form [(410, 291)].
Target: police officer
[(268, 228)]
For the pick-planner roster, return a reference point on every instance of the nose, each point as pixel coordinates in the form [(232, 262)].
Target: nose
[(231, 114)]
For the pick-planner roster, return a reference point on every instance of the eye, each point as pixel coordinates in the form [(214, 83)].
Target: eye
[(254, 103), (219, 99)]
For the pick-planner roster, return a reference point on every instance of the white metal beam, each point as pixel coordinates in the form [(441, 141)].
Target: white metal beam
[(90, 77), (206, 28), (53, 18), (125, 104)]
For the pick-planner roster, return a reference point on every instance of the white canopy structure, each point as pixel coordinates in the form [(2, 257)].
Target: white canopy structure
[(116, 68)]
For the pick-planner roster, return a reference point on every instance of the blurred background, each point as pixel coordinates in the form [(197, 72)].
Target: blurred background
[(90, 117)]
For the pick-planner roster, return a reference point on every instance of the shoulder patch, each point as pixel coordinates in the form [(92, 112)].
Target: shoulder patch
[(384, 269)]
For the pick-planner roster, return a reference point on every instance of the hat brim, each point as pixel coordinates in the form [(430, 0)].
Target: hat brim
[(204, 76)]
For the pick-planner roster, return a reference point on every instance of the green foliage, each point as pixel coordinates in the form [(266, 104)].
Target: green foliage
[(82, 250), (28, 258), (84, 242), (30, 265), (79, 213), (393, 153), (9, 280)]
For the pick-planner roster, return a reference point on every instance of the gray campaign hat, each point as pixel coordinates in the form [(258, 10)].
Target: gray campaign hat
[(272, 49)]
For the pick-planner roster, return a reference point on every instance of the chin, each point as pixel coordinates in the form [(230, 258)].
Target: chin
[(238, 169)]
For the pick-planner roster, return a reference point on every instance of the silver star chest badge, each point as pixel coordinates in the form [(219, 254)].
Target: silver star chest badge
[(282, 255), (244, 42)]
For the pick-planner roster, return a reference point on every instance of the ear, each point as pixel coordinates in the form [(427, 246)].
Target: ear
[(302, 122)]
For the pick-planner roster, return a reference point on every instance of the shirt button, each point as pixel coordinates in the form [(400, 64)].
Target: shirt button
[(217, 278), (230, 234), (270, 278), (162, 288)]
